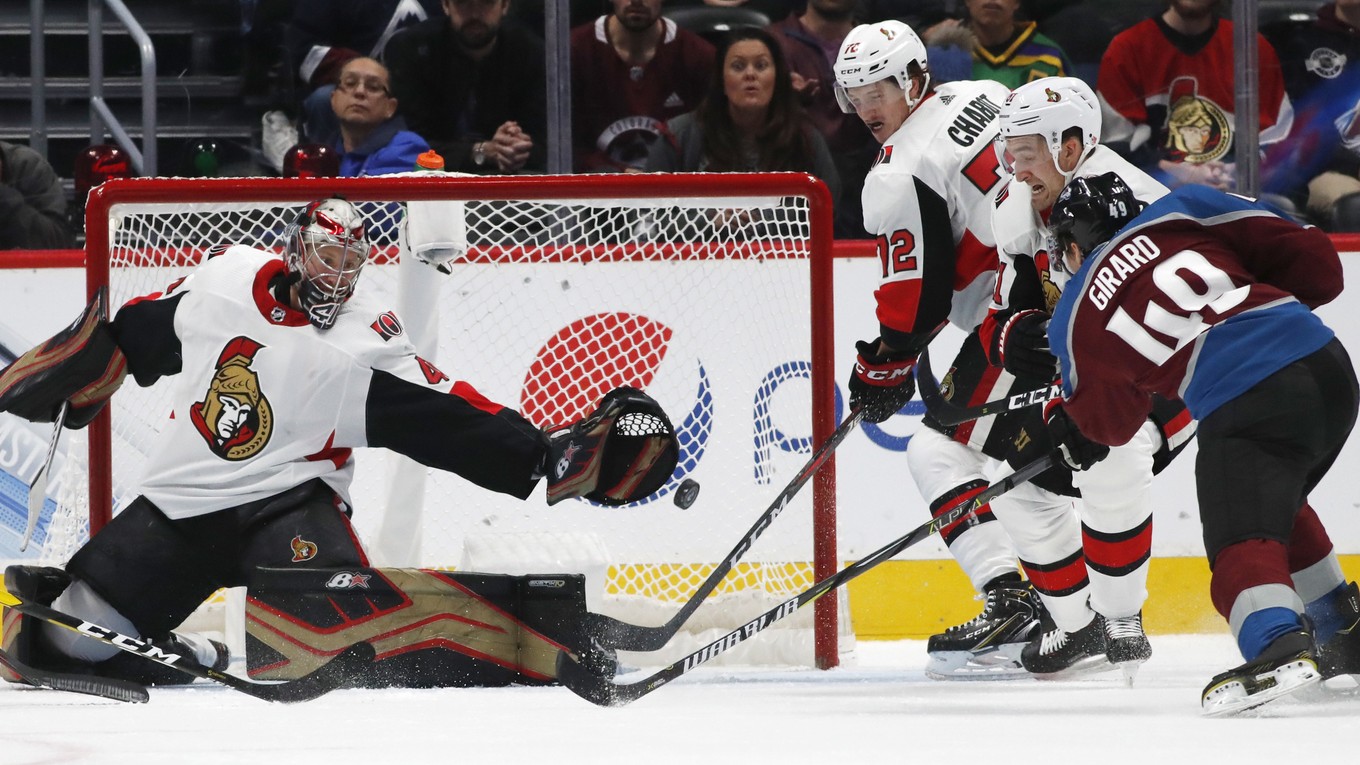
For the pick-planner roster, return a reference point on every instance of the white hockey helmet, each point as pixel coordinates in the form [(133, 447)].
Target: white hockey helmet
[(874, 52), (1049, 107), (326, 250)]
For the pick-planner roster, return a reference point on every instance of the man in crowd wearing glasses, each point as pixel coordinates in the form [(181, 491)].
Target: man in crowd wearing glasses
[(373, 138)]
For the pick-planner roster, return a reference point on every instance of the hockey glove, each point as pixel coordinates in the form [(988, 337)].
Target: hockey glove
[(1024, 346), (1078, 451), (882, 384)]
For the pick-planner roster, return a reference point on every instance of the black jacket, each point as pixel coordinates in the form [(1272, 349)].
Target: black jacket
[(32, 203)]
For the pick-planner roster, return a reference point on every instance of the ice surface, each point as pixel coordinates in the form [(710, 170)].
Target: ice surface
[(880, 710)]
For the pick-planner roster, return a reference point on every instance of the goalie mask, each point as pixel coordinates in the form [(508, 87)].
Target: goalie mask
[(326, 250)]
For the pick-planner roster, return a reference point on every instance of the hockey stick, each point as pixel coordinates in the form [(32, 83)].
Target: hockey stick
[(346, 665), (949, 414), (37, 490), (90, 685), (612, 633), (601, 691)]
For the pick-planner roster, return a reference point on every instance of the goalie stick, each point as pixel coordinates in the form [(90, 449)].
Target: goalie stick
[(346, 665), (601, 691), (105, 687), (611, 633), (949, 414)]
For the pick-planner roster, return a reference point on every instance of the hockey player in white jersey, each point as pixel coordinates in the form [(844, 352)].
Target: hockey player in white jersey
[(1049, 134), (929, 201), (282, 369)]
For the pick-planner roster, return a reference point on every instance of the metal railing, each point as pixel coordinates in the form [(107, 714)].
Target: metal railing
[(37, 67), (102, 120)]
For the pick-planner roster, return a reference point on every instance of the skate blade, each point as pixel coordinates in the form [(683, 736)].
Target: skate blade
[(1002, 663), (1087, 666), (1129, 669), (1232, 697)]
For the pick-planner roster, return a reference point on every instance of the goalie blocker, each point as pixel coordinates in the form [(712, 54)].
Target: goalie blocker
[(429, 628), (81, 364)]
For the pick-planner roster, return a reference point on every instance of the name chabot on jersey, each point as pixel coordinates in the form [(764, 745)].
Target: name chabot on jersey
[(1117, 267)]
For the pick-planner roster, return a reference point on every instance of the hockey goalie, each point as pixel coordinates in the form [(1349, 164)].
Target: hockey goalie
[(281, 368)]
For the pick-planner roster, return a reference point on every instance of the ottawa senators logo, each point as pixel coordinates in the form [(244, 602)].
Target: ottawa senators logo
[(1198, 130), (234, 416), (303, 550)]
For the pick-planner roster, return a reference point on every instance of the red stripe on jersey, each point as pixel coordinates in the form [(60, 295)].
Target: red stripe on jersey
[(972, 259), (982, 393), (1063, 577), (898, 304), (329, 452), (1120, 552), (1174, 432), (953, 498), (478, 401)]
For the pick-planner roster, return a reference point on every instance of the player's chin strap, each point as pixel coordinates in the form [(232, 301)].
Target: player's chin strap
[(624, 451), (597, 690)]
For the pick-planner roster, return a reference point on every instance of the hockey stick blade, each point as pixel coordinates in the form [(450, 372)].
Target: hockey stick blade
[(601, 691), (619, 635), (345, 666), (37, 490), (949, 414), (90, 685)]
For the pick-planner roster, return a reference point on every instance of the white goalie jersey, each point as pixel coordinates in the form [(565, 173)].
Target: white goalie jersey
[(929, 201), (263, 401)]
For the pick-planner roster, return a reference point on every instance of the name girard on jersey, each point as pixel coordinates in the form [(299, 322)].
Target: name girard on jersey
[(972, 120), (1117, 266)]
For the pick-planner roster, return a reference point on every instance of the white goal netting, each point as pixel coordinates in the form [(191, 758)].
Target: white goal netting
[(699, 290)]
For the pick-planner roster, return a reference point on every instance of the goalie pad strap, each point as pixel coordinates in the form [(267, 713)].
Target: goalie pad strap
[(81, 364)]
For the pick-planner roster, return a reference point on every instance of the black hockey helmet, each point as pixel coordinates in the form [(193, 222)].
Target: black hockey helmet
[(1090, 210)]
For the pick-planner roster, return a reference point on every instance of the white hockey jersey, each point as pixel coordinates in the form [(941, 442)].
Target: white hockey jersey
[(928, 201), (264, 402), (1022, 233)]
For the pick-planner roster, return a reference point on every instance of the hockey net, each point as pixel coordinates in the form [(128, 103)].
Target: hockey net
[(702, 290)]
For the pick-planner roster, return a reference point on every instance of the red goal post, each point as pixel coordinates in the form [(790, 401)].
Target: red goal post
[(681, 265)]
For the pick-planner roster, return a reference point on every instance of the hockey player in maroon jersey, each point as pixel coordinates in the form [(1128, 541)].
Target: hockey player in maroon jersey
[(282, 369), (1209, 297), (1050, 133), (929, 202)]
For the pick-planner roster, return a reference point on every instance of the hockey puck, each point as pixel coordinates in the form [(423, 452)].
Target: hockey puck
[(686, 493)]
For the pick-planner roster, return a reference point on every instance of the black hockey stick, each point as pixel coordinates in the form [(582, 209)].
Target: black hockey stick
[(612, 633), (601, 691), (90, 685), (346, 665), (948, 414)]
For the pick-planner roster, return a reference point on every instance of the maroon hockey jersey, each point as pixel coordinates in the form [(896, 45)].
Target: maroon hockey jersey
[(618, 110)]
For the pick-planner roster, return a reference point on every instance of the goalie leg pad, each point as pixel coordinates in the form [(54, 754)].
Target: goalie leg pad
[(81, 364), (623, 452), (430, 628)]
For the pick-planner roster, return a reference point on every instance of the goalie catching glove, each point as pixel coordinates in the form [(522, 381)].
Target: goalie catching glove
[(81, 364), (624, 451), (1078, 451), (882, 383)]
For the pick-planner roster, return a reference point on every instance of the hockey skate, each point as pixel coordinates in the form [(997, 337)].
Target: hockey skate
[(40, 584), (1054, 652), (1126, 645), (987, 646), (1286, 666), (1340, 655)]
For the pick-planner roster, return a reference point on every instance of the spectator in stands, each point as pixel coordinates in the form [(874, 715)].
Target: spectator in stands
[(750, 119), (1166, 86), (1005, 49), (373, 138), (1080, 27), (473, 88), (810, 43), (32, 203), (325, 34), (631, 70), (1320, 161)]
